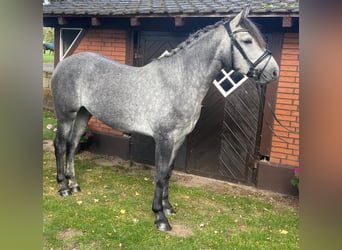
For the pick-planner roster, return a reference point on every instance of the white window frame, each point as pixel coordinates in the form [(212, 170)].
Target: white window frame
[(61, 48)]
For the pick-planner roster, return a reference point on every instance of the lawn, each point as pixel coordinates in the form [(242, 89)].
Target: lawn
[(113, 211), (49, 119), (48, 57)]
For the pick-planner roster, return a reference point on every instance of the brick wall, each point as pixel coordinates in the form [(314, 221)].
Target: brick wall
[(285, 151), (110, 43)]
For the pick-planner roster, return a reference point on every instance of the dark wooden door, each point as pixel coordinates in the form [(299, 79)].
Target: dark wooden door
[(222, 145), (204, 143), (238, 153)]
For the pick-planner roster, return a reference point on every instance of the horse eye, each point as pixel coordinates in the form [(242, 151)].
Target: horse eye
[(248, 41)]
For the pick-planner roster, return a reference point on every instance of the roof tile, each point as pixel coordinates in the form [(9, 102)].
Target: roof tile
[(166, 7)]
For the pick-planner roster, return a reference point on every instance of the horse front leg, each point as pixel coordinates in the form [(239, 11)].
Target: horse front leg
[(164, 149), (167, 207)]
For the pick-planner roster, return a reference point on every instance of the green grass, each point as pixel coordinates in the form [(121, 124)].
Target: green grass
[(113, 211), (47, 57), (48, 118)]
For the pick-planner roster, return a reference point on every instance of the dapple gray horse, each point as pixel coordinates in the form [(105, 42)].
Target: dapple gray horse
[(161, 99)]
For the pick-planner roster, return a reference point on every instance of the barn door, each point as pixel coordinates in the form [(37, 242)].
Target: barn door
[(204, 143), (150, 46), (223, 142), (239, 134)]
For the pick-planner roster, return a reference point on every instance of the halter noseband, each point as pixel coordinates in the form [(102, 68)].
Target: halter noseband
[(252, 72)]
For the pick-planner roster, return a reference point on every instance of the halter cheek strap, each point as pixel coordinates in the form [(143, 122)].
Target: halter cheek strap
[(252, 72)]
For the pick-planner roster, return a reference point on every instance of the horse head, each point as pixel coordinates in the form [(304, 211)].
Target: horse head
[(248, 49)]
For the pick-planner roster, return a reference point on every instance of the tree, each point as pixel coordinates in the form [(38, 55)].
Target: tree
[(48, 35)]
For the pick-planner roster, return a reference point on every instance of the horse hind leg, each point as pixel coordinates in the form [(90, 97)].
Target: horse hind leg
[(77, 131), (63, 131)]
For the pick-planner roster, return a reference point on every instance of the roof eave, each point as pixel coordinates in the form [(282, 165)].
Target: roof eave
[(168, 15)]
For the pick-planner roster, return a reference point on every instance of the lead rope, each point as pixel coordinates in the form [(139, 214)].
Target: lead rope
[(262, 97)]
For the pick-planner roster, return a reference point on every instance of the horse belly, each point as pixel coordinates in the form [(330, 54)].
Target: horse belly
[(122, 119)]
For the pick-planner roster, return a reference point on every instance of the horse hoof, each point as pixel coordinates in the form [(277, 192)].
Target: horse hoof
[(163, 226), (75, 189), (64, 192), (169, 211)]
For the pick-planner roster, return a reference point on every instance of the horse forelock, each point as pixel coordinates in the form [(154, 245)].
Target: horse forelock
[(254, 31)]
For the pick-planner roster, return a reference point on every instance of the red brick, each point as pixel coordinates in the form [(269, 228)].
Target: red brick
[(280, 132), (292, 135), (295, 124), (278, 155), (289, 62), (284, 101), (282, 150), (282, 112), (286, 107), (288, 68), (290, 51), (120, 49), (288, 73), (288, 85), (286, 90), (291, 46), (288, 96), (280, 144), (286, 118), (289, 163), (295, 113), (286, 79), (293, 158), (284, 123), (295, 148), (283, 139), (274, 160), (289, 57), (283, 128)]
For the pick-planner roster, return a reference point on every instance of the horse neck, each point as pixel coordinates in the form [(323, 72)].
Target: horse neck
[(202, 59)]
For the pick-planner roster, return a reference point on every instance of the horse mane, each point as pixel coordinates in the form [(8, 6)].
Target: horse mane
[(193, 37), (244, 22)]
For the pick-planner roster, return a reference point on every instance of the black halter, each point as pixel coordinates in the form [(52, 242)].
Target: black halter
[(252, 72)]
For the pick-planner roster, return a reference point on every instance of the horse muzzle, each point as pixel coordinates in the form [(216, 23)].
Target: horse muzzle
[(268, 73)]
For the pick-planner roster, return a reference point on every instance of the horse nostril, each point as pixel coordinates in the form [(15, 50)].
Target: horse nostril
[(275, 73)]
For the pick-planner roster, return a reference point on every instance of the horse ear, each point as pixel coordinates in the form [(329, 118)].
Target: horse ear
[(245, 11), (237, 19)]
